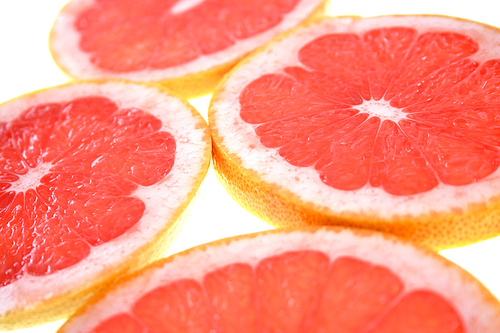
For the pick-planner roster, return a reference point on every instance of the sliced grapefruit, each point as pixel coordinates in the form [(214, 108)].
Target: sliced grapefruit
[(389, 123), (96, 179), (326, 279), (186, 44)]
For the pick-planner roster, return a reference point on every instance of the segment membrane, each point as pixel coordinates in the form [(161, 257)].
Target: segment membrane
[(125, 36), (437, 110), (68, 172), (299, 291)]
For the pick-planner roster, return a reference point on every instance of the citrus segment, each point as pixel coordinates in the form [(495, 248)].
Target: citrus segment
[(387, 111), (422, 311), (397, 165), (180, 306), (83, 164), (287, 286), (457, 160), (230, 293), (160, 34), (313, 280), (84, 199), (346, 59), (354, 295), (169, 40)]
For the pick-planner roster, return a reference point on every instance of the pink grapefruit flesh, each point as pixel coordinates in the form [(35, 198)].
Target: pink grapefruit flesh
[(160, 34), (82, 196), (353, 296), (164, 41), (80, 168), (390, 119), (294, 284), (422, 112)]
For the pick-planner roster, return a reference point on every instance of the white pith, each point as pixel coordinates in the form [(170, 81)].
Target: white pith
[(381, 109), (64, 45), (162, 199), (239, 137), (417, 270), (31, 179)]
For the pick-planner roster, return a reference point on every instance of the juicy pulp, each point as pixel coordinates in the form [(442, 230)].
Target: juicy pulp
[(443, 127), (298, 291), (85, 158)]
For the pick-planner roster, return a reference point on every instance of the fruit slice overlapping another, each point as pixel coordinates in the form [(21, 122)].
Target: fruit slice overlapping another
[(326, 279), (186, 44), (389, 123), (96, 179)]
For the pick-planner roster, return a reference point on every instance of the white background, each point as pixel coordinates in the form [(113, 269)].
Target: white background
[(26, 65)]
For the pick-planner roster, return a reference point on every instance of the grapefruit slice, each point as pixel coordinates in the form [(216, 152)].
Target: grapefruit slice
[(389, 123), (96, 179), (328, 279), (186, 44)]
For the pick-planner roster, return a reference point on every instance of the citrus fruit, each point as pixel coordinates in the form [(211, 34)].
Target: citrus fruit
[(328, 279), (186, 44), (96, 178), (389, 123)]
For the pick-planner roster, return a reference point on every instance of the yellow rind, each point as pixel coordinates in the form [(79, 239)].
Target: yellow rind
[(63, 305), (281, 208)]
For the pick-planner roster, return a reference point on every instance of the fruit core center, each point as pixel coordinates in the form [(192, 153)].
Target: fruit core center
[(31, 179), (381, 109)]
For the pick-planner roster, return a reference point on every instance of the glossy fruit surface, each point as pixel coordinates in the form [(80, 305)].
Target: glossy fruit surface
[(187, 45), (95, 180), (309, 280), (389, 123)]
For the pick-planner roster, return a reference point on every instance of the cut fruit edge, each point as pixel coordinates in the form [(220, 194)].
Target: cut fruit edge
[(32, 300), (435, 218), (282, 208), (417, 267), (194, 79)]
